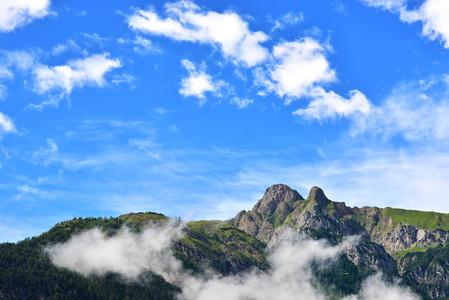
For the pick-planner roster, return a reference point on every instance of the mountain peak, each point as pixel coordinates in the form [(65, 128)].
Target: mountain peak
[(318, 195), (273, 196)]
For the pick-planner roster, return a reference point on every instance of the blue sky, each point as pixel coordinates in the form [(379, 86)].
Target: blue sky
[(193, 109)]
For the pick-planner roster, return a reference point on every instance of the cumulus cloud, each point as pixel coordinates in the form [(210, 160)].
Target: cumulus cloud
[(18, 13), (434, 16), (297, 68), (293, 70), (329, 105), (197, 83), (61, 80), (290, 275), (432, 13), (186, 21)]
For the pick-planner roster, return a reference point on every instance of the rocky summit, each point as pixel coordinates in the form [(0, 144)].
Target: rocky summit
[(406, 244)]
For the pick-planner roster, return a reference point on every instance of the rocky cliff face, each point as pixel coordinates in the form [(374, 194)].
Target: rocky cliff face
[(387, 234)]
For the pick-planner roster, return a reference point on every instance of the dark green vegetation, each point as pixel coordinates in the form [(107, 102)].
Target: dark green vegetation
[(221, 247), (27, 273), (411, 245)]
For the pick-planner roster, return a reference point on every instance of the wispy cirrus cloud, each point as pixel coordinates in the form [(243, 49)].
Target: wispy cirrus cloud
[(6, 124), (361, 176), (18, 13), (141, 45), (289, 19), (415, 111), (241, 103), (186, 21)]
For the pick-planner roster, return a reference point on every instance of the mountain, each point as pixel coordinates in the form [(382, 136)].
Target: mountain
[(406, 244)]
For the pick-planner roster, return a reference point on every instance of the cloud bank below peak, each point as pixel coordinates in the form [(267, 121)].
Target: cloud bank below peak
[(289, 277)]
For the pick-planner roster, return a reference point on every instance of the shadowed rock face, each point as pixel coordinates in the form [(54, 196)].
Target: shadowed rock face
[(317, 194)]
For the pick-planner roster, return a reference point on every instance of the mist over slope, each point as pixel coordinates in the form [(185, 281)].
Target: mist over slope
[(286, 247)]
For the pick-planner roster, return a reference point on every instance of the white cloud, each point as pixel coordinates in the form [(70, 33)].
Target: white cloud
[(290, 276), (385, 4), (21, 60), (374, 288), (61, 48), (18, 13), (299, 69), (289, 19), (3, 91), (124, 79), (296, 69), (416, 111), (434, 16), (187, 22), (369, 176), (61, 80), (197, 83), (6, 124), (241, 103), (329, 105), (10, 61), (144, 46), (93, 252), (432, 13), (339, 7)]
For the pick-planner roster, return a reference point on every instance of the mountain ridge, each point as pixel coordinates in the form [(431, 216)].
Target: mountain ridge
[(408, 244), (393, 240)]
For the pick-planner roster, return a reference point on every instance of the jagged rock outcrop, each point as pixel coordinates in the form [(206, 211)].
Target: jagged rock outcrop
[(373, 256), (278, 202), (386, 233)]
